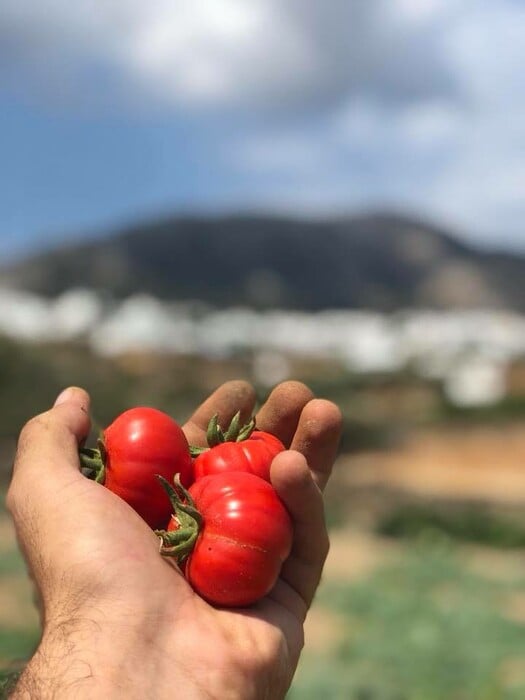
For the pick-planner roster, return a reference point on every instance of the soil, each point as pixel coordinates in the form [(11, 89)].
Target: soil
[(476, 464)]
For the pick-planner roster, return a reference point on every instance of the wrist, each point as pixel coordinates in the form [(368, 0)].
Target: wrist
[(92, 653), (137, 655)]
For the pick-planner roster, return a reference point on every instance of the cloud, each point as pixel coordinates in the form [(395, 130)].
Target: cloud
[(454, 152), (413, 103), (277, 53)]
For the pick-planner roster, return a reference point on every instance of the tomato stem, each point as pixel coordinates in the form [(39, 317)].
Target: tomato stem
[(245, 432), (214, 434), (179, 543), (232, 432), (196, 451), (92, 462), (235, 432)]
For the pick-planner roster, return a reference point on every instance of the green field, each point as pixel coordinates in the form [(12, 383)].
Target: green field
[(426, 628), (444, 620), (18, 619)]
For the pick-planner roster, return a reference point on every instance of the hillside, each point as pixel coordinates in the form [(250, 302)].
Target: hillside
[(379, 262)]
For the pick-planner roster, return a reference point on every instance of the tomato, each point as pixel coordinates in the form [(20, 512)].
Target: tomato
[(139, 444), (239, 448), (254, 455), (233, 538)]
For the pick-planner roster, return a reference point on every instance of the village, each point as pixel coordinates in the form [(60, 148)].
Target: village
[(477, 355)]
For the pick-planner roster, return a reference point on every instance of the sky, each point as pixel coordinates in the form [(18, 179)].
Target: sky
[(117, 111)]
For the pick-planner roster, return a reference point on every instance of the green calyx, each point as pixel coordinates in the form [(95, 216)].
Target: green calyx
[(93, 462), (179, 543), (216, 436)]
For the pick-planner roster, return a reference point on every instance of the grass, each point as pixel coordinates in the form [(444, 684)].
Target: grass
[(17, 644), (470, 523), (11, 562), (18, 637), (426, 629)]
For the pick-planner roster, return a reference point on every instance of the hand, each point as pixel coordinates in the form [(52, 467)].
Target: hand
[(121, 621)]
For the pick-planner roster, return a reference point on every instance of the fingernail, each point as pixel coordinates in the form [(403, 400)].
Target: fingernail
[(65, 395)]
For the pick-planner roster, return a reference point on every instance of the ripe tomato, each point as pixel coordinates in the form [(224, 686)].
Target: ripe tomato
[(254, 455), (139, 444), (244, 535)]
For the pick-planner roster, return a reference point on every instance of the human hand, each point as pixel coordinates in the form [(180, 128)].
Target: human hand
[(119, 620)]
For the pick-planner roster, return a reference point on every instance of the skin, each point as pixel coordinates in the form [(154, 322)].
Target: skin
[(119, 621)]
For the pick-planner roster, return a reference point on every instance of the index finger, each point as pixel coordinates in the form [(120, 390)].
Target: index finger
[(230, 398)]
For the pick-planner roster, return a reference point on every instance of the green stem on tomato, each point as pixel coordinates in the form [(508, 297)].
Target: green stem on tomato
[(196, 451), (235, 432), (232, 432), (245, 432), (92, 463), (179, 543), (214, 434)]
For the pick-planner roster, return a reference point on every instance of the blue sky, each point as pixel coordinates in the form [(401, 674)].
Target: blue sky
[(117, 110)]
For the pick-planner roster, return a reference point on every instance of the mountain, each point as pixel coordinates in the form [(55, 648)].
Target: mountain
[(381, 262)]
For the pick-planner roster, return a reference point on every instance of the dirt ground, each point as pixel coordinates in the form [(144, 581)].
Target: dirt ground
[(478, 464)]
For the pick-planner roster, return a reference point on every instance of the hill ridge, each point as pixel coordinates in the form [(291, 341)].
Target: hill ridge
[(378, 261)]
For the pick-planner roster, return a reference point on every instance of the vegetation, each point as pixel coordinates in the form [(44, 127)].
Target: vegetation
[(426, 628), (32, 375), (461, 522)]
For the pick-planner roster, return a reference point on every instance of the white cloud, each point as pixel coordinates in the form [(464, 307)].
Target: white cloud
[(416, 103), (271, 52), (456, 156), (276, 52), (207, 51), (177, 51), (418, 11)]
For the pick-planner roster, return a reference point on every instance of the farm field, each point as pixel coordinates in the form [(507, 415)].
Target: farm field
[(423, 595)]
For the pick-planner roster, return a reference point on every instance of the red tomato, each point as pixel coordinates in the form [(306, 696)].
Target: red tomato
[(254, 455), (245, 536), (139, 444)]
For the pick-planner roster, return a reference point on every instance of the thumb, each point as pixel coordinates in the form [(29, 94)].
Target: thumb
[(47, 450)]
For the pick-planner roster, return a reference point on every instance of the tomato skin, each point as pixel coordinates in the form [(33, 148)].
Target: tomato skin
[(245, 536), (139, 444), (253, 455)]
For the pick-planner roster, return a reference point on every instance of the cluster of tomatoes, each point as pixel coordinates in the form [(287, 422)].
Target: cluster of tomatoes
[(214, 508)]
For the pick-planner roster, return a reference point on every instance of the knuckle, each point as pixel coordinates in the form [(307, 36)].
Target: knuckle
[(31, 431)]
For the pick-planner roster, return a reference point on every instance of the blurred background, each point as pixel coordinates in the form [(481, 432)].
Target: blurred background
[(332, 192)]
